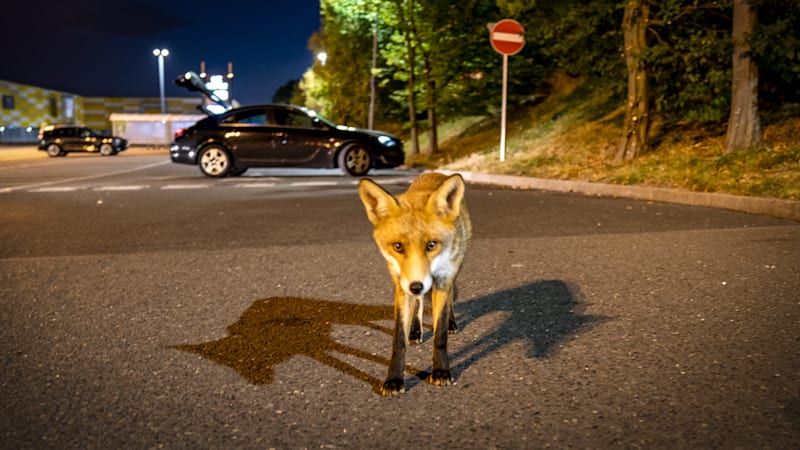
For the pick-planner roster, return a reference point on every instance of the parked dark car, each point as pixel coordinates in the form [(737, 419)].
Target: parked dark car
[(58, 140), (281, 136)]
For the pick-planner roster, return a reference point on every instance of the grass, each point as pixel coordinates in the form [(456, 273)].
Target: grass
[(573, 133)]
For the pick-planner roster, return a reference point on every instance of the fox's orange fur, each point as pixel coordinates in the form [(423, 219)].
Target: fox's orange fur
[(423, 235)]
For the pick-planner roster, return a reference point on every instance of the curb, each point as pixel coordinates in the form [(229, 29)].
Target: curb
[(784, 209)]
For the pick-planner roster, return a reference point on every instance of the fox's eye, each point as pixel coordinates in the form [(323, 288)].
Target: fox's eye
[(431, 245), (398, 247)]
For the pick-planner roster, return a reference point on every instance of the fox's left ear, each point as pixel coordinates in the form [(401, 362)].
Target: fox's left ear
[(378, 203), (446, 200)]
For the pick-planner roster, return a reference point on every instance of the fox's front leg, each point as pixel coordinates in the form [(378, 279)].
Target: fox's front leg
[(441, 299), (394, 383)]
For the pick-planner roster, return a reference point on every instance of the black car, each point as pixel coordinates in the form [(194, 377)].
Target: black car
[(58, 140), (281, 135)]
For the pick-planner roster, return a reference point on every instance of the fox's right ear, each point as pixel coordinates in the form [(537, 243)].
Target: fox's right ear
[(378, 203)]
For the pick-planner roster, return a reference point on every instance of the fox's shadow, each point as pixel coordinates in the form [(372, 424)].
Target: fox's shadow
[(274, 329)]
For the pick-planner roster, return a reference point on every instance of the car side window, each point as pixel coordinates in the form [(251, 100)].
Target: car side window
[(292, 119), (85, 133), (257, 118)]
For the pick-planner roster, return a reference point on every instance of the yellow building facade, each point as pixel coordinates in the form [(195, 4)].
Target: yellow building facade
[(26, 108)]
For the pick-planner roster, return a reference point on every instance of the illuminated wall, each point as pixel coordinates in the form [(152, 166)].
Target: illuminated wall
[(25, 108)]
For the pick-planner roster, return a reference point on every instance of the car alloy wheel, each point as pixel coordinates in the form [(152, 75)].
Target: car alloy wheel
[(215, 162), (355, 160), (106, 149), (53, 150)]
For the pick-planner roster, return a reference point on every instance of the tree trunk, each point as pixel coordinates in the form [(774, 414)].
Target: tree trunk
[(407, 26), (412, 101), (637, 111), (744, 127), (430, 86)]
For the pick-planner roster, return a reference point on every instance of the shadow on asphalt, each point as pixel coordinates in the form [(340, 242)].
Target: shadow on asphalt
[(272, 330)]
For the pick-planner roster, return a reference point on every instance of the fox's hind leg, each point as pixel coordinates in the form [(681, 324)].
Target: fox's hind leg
[(452, 326), (415, 332)]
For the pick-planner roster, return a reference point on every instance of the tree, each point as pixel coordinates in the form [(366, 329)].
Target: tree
[(637, 107), (405, 15), (744, 128)]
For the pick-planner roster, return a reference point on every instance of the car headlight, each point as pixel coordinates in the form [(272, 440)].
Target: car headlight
[(387, 141)]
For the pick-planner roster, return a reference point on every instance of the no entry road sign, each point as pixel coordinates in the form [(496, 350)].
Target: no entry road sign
[(507, 37)]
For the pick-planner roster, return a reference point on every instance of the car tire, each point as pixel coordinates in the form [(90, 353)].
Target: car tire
[(237, 172), (54, 150), (106, 150), (215, 161), (355, 160)]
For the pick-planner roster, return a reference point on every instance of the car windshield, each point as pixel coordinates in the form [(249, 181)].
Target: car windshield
[(322, 119)]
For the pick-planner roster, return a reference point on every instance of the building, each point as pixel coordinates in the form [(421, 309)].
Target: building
[(25, 109)]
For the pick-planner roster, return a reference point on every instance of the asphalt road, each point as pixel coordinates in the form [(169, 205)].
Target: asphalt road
[(145, 306)]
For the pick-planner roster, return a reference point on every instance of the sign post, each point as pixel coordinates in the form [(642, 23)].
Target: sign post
[(507, 38)]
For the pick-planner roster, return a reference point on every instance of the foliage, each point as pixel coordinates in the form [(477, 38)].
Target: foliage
[(458, 74), (776, 48)]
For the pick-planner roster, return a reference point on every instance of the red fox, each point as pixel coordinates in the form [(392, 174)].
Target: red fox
[(423, 234)]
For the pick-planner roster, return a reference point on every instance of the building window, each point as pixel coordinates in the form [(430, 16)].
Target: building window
[(8, 102)]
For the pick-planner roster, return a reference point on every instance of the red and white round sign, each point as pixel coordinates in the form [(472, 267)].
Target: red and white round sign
[(507, 37)]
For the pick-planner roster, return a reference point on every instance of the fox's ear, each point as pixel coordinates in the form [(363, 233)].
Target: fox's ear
[(446, 200), (378, 203)]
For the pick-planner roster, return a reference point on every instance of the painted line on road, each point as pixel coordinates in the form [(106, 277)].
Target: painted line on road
[(313, 183), (136, 187), (253, 185), (176, 187), (55, 189), (75, 179)]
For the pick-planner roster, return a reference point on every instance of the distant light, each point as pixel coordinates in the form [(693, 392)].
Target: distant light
[(160, 52), (216, 109), (322, 57)]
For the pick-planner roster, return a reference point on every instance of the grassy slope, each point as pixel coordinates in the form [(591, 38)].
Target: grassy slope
[(573, 134)]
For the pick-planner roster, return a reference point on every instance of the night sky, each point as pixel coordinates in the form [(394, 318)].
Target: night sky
[(104, 47)]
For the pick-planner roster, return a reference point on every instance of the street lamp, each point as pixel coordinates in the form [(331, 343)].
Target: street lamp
[(161, 53), (322, 57)]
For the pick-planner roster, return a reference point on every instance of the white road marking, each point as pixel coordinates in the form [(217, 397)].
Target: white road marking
[(28, 187), (253, 185), (55, 189), (138, 187), (313, 183), (173, 187)]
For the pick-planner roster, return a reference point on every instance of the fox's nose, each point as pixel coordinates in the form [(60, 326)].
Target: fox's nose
[(416, 288)]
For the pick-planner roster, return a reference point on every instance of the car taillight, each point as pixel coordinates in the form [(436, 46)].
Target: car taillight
[(180, 132)]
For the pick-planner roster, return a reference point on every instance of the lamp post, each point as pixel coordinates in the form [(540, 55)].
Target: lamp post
[(161, 53)]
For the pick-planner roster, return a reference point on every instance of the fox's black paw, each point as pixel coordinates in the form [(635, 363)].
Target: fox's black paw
[(415, 336), (452, 327), (440, 377), (393, 386)]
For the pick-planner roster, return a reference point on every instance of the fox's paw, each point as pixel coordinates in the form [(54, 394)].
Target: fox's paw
[(393, 386), (415, 336), (452, 327), (440, 377)]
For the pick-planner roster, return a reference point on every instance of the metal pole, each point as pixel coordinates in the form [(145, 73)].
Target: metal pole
[(161, 81), (503, 110)]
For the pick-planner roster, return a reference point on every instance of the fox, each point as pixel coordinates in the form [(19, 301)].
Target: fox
[(423, 235)]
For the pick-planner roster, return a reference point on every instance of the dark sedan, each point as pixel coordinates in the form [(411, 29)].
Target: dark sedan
[(58, 140), (281, 136)]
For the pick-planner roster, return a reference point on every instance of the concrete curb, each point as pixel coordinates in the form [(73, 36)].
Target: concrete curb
[(785, 209)]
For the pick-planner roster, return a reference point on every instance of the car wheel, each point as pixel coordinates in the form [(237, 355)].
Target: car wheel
[(106, 149), (355, 160), (215, 161), (53, 150)]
